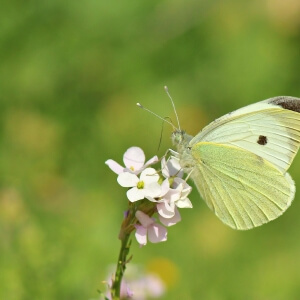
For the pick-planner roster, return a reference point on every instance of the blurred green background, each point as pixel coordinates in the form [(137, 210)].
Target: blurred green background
[(70, 75)]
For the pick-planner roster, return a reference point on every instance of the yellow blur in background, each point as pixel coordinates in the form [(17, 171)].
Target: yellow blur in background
[(70, 75)]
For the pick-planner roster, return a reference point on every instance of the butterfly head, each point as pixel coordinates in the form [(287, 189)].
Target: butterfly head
[(180, 139)]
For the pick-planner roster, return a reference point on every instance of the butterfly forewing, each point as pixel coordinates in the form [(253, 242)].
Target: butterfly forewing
[(264, 128)]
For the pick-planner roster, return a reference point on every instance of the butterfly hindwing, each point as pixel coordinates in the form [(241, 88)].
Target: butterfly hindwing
[(243, 189)]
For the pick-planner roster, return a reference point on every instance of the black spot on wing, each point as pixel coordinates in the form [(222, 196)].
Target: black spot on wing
[(262, 140), (289, 103)]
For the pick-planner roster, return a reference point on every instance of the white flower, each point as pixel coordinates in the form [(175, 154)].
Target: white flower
[(184, 189), (174, 197), (171, 221), (134, 161), (146, 185), (156, 233), (171, 167)]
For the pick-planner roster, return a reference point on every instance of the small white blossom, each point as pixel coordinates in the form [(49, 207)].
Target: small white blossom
[(146, 185), (171, 167), (134, 161), (184, 189), (174, 197)]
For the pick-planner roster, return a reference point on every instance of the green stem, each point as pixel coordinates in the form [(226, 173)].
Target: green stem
[(126, 228), (121, 266)]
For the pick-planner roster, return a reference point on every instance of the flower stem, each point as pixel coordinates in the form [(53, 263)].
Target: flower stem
[(127, 228), (121, 266)]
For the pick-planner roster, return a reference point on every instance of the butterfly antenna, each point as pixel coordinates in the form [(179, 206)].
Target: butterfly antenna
[(156, 115), (161, 136), (167, 91)]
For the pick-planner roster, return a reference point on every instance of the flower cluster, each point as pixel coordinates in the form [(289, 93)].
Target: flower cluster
[(164, 191)]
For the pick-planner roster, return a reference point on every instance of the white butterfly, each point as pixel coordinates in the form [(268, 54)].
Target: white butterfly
[(239, 162)]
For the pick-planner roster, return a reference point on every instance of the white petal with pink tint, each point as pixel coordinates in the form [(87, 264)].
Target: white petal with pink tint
[(141, 235), (134, 158), (184, 203), (114, 166), (151, 161), (127, 179), (144, 219), (135, 194), (157, 233), (166, 209), (171, 168), (149, 175), (165, 186), (153, 189), (171, 221)]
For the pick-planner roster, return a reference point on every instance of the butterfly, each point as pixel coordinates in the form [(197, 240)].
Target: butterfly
[(239, 162)]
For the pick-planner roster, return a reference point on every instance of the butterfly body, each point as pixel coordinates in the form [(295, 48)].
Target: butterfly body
[(239, 161)]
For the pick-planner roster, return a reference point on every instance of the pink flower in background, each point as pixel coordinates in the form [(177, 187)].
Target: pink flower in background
[(149, 285), (126, 292), (138, 284), (146, 185), (134, 161), (155, 232)]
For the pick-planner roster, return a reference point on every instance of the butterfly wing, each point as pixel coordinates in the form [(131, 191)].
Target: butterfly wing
[(243, 189), (269, 129)]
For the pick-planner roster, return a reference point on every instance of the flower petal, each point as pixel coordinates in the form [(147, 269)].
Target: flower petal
[(164, 168), (144, 219), (127, 179), (152, 161), (172, 195), (134, 158), (153, 189), (165, 209), (141, 235), (125, 290), (184, 203), (179, 181), (165, 187), (157, 233), (154, 286), (170, 221), (114, 166), (135, 194), (171, 168), (149, 175), (182, 186)]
